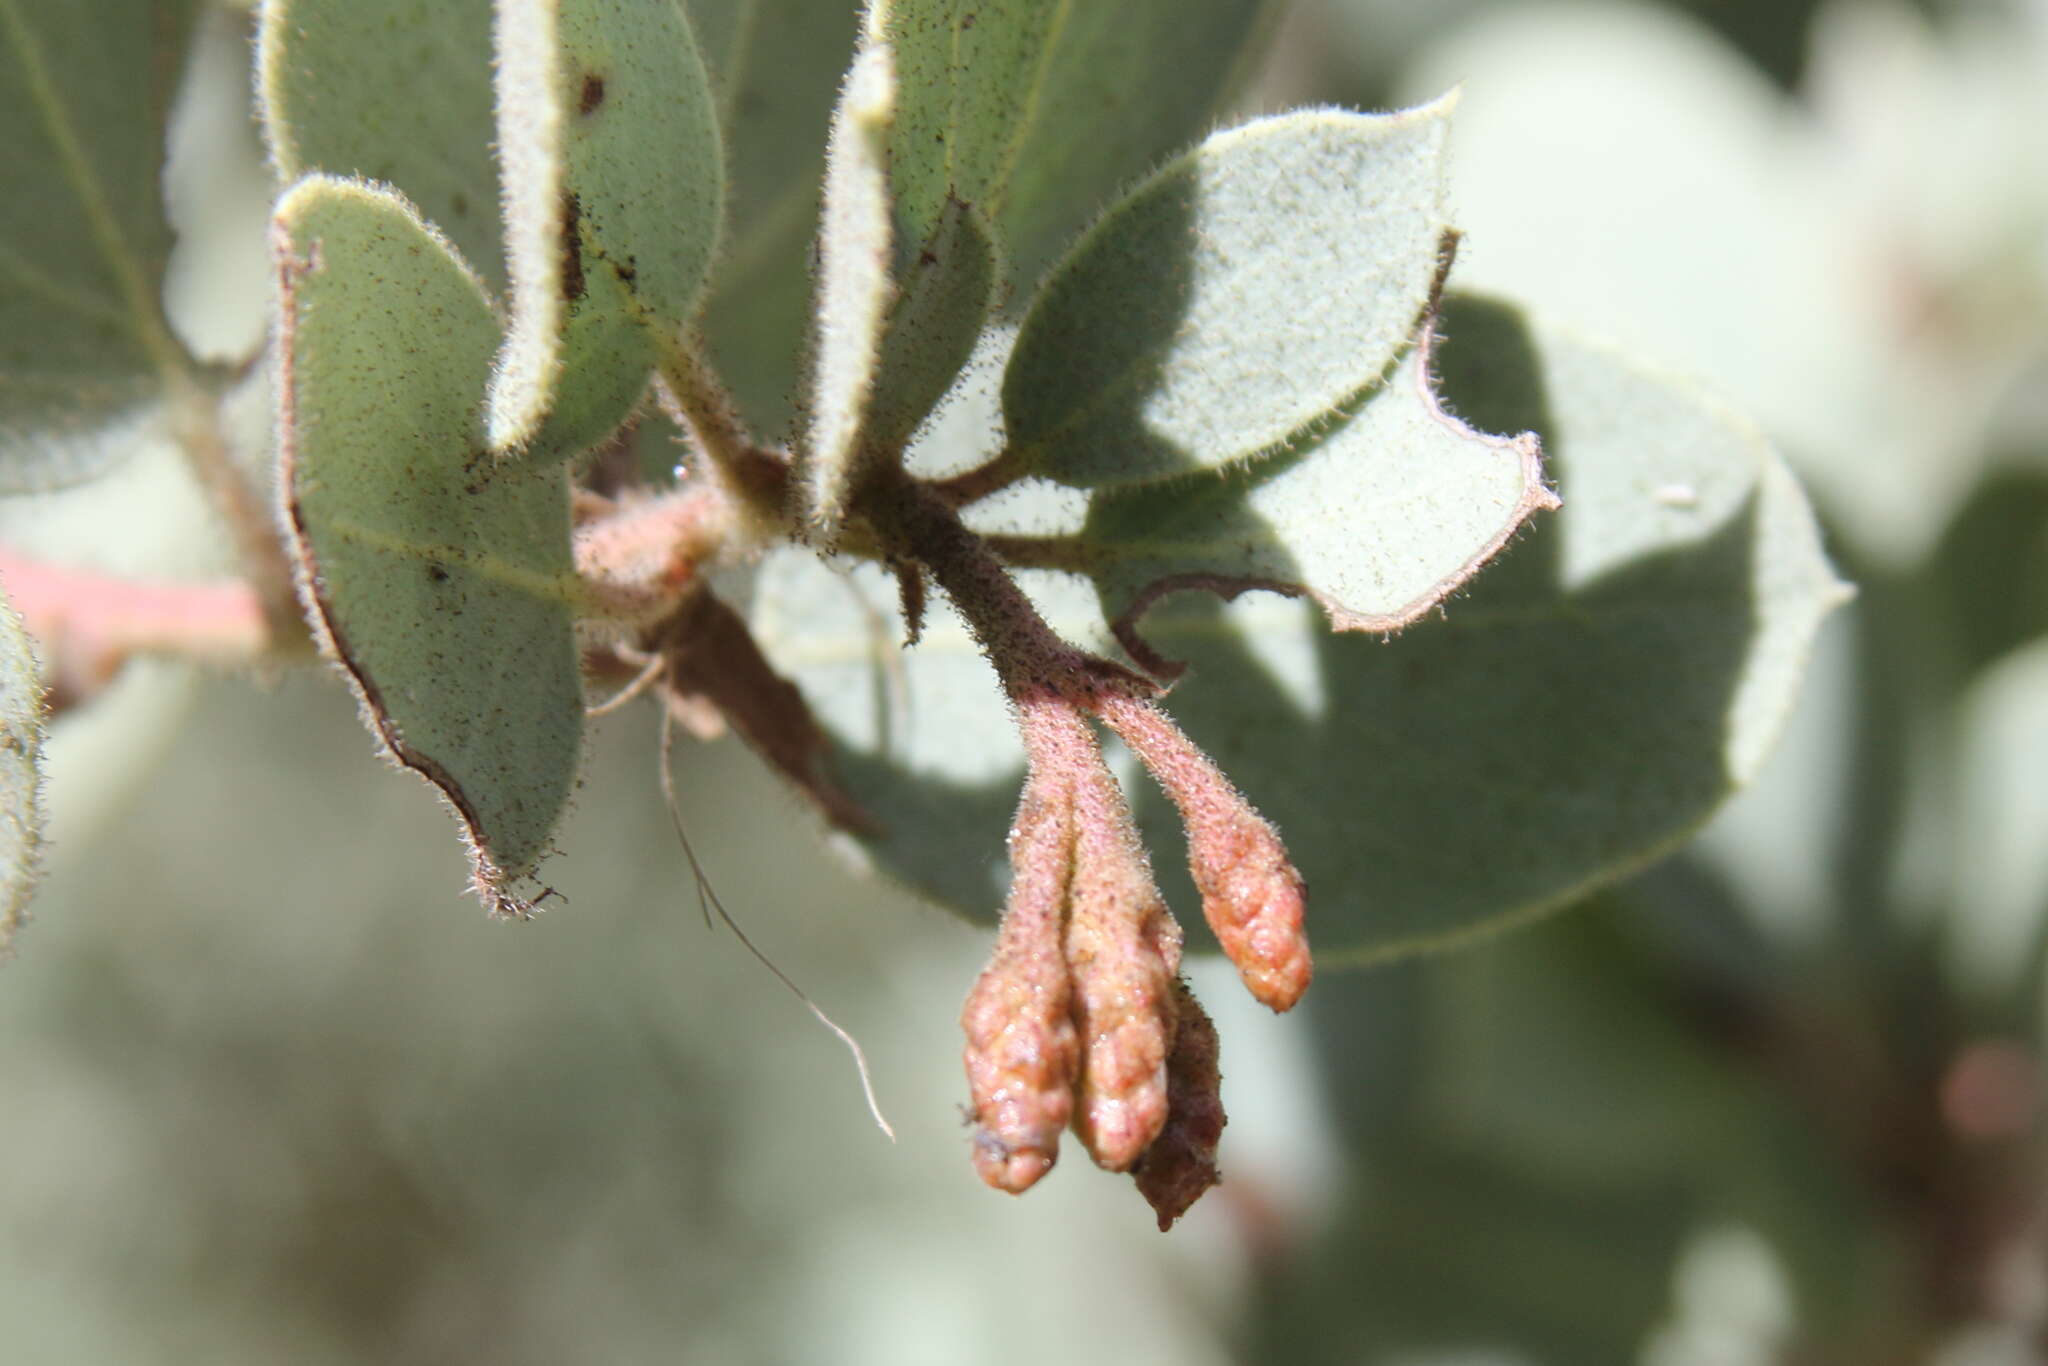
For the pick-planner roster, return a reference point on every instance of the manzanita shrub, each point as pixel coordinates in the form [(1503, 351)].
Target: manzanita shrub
[(628, 347)]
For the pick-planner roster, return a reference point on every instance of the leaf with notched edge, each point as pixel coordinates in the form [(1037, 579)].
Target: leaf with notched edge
[(614, 180), (442, 580), (1378, 520)]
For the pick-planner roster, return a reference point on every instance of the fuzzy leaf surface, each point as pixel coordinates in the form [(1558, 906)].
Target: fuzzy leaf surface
[(1378, 520), (1241, 294), (775, 68), (21, 788), (1037, 113), (614, 178), (1601, 688), (440, 578), (397, 91), (854, 285), (85, 89)]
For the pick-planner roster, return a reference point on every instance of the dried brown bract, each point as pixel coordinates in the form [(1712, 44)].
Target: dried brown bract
[(1181, 1164)]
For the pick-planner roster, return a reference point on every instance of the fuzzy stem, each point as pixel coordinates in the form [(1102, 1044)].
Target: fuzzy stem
[(756, 479), (195, 418), (1005, 468), (89, 623)]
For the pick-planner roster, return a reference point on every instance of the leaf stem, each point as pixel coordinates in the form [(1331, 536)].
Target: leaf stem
[(1005, 468), (195, 418), (754, 477)]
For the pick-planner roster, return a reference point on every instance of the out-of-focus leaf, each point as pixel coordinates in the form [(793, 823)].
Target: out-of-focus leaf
[(440, 578), (854, 286), (389, 90), (1598, 692), (2000, 869), (775, 66), (1861, 271), (21, 794), (84, 92), (1378, 520), (614, 179), (1037, 114), (1242, 293)]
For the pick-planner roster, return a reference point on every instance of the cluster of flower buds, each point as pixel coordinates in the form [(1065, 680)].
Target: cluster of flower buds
[(1080, 1018)]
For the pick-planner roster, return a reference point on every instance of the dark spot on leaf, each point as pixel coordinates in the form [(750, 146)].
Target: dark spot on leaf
[(572, 248), (437, 573), (967, 20), (629, 271), (459, 202), (593, 93)]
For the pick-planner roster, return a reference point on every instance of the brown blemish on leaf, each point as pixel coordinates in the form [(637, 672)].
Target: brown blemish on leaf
[(572, 248), (592, 94)]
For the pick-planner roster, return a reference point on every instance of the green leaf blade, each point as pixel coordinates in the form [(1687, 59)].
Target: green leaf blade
[(397, 91), (440, 579), (776, 66), (85, 91), (1038, 113), (614, 187), (1241, 294)]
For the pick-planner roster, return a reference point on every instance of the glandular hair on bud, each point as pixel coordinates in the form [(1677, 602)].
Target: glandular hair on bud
[(1023, 1054), (1181, 1164)]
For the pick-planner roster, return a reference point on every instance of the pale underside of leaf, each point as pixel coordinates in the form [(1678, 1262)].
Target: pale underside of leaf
[(440, 579), (1378, 520), (21, 789), (854, 287), (85, 90), (1581, 707), (613, 184), (1242, 294)]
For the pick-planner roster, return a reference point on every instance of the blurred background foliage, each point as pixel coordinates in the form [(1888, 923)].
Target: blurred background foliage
[(274, 1090)]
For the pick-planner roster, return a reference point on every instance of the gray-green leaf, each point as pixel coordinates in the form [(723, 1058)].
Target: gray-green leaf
[(1037, 113), (390, 90), (614, 180), (84, 91), (21, 789), (1594, 696), (776, 67), (440, 578), (1238, 296), (1379, 520)]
